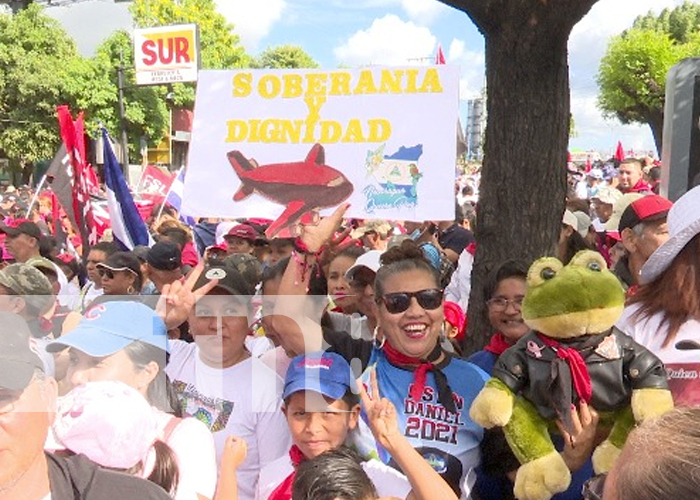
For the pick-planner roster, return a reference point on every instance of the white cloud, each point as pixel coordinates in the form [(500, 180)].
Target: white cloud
[(594, 131), (388, 40), (423, 12), (252, 20), (472, 66), (587, 44)]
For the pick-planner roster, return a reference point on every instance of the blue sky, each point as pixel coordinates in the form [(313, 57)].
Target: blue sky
[(400, 32)]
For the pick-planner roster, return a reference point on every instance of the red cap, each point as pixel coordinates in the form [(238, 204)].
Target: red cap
[(243, 231), (647, 209)]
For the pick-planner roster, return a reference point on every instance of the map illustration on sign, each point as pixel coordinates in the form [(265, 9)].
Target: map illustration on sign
[(302, 187), (393, 178)]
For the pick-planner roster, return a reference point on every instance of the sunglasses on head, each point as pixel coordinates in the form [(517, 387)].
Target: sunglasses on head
[(428, 299), (593, 488), (109, 273)]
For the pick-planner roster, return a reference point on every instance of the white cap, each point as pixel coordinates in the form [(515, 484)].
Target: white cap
[(369, 259)]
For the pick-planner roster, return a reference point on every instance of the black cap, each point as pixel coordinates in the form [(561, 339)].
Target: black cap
[(229, 278), (122, 261), (18, 356), (164, 256)]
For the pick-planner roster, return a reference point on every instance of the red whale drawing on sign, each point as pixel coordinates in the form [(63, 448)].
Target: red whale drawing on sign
[(303, 187)]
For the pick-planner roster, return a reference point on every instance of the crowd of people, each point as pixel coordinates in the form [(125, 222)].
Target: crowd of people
[(222, 364)]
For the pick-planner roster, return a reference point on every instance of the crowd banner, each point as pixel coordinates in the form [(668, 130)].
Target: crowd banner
[(280, 144)]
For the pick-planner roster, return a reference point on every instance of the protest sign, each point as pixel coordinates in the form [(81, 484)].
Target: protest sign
[(281, 143)]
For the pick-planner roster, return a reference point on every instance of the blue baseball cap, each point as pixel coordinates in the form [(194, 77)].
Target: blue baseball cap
[(109, 327), (324, 372)]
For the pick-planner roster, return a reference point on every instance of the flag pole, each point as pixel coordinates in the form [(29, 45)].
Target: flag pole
[(36, 195)]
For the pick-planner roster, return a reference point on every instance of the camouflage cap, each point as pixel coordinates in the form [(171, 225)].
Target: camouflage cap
[(27, 280), (44, 265), (247, 265)]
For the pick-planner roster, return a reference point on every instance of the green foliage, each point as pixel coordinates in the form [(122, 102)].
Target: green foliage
[(219, 46), (284, 57), (95, 86), (632, 73), (35, 59)]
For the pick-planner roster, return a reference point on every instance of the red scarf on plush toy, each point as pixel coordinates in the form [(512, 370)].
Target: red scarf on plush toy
[(284, 490)]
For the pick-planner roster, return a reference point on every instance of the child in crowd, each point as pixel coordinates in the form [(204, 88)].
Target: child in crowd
[(322, 408)]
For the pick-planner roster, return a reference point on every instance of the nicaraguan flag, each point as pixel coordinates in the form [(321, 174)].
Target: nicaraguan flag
[(174, 198), (127, 226)]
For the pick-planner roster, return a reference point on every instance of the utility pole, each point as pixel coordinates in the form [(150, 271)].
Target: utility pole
[(122, 120)]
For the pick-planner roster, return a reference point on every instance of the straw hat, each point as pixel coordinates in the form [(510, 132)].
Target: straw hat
[(683, 223)]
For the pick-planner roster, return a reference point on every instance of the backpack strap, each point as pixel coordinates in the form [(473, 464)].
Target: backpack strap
[(170, 427)]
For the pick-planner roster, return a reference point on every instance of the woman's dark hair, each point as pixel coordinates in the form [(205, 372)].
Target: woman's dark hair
[(400, 259), (160, 392), (334, 474), (165, 473), (574, 244), (674, 294), (47, 245), (508, 269)]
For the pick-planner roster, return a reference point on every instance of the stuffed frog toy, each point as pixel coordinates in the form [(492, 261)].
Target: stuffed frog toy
[(572, 353)]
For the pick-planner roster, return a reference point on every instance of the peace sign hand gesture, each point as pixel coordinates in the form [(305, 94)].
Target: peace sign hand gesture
[(179, 297), (381, 414)]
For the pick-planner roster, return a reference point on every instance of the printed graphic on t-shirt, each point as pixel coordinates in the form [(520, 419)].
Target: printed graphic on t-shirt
[(212, 412), (684, 383), (428, 420)]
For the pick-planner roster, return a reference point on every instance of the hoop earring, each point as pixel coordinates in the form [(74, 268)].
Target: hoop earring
[(130, 290), (375, 334)]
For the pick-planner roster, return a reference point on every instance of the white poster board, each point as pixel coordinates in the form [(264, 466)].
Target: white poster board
[(382, 138)]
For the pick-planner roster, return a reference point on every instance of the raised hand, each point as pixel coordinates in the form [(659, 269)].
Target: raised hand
[(179, 297), (317, 235), (381, 414)]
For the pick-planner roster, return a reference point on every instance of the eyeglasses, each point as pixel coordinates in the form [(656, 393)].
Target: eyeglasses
[(428, 299), (109, 273), (501, 304), (593, 488)]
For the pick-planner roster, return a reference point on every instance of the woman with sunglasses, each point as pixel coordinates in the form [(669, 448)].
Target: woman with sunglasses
[(121, 274), (431, 390)]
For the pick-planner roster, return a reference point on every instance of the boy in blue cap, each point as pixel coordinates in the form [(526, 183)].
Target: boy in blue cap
[(322, 407)]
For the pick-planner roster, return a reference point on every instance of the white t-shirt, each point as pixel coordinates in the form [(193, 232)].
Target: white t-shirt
[(388, 481), (682, 365), (243, 400), (193, 446)]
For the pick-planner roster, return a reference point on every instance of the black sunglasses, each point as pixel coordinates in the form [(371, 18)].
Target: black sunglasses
[(109, 273), (593, 488), (428, 299)]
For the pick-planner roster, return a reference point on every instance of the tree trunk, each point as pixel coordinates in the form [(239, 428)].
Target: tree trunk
[(523, 183), (656, 124)]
